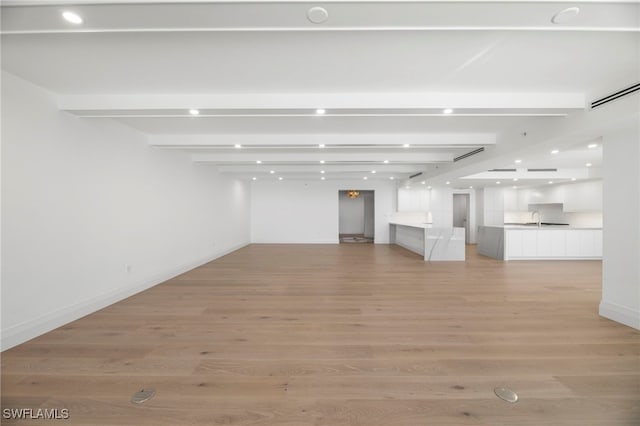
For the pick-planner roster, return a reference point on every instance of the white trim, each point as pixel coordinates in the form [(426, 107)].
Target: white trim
[(28, 330), (336, 241), (619, 313)]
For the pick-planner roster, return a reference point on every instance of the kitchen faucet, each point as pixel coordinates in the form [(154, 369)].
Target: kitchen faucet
[(533, 213)]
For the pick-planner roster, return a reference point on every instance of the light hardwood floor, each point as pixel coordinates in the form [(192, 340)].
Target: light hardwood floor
[(334, 335)]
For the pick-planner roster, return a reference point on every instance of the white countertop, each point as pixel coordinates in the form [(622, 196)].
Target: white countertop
[(413, 224), (549, 227)]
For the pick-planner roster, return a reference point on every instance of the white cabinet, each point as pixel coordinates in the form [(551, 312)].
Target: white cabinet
[(553, 244), (583, 196), (511, 200)]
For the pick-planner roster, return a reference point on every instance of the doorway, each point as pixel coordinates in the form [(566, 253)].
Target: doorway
[(461, 213), (356, 211)]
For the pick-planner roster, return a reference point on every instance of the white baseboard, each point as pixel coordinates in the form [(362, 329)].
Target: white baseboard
[(619, 313), (28, 330)]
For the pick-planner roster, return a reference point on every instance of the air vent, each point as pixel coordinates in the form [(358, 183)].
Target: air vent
[(503, 170), (468, 154), (417, 174), (614, 96), (542, 170)]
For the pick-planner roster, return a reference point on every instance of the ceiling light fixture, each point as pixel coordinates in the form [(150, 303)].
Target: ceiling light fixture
[(592, 145), (515, 187), (573, 179), (322, 178), (320, 111), (365, 178), (254, 178), (588, 164), (321, 145), (322, 171), (72, 17), (498, 183), (550, 182), (423, 182), (280, 178), (352, 193), (518, 161), (406, 145), (565, 15), (447, 182), (194, 111), (471, 187), (373, 171), (238, 145), (272, 171), (555, 151), (258, 162), (447, 111), (429, 187), (515, 179), (386, 161), (392, 178), (321, 161)]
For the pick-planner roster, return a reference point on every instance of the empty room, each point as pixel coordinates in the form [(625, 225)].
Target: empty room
[(337, 213)]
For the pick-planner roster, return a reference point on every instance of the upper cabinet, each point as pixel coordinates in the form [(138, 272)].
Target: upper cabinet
[(583, 196)]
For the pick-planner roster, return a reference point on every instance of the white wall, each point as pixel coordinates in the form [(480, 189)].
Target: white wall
[(621, 266), (307, 211), (351, 214), (83, 198)]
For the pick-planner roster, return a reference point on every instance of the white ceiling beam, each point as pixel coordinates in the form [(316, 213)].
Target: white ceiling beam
[(98, 105), (328, 168), (321, 154), (313, 139), (292, 16), (523, 174)]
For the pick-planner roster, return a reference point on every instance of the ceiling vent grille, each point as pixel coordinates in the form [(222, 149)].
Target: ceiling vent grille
[(503, 170), (417, 174), (614, 96), (468, 154), (542, 170)]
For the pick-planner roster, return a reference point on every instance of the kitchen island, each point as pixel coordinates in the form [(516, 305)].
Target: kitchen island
[(523, 242), (433, 243)]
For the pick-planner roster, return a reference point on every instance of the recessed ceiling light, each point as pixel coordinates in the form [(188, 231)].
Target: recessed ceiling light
[(321, 161), (406, 145), (272, 171), (565, 15), (447, 182), (254, 178), (471, 187), (320, 111), (373, 171), (258, 162), (72, 17), (588, 164), (447, 111), (518, 161), (429, 187), (322, 171), (280, 178), (365, 178), (550, 182), (423, 182), (392, 178), (498, 183), (238, 145), (573, 179), (555, 151), (194, 111), (592, 145), (515, 179), (386, 161), (515, 187), (322, 178), (321, 145)]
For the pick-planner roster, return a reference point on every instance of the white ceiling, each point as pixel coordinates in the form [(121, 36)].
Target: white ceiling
[(384, 72)]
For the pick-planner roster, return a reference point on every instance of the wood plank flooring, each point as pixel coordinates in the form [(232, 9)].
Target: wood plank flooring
[(337, 335)]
